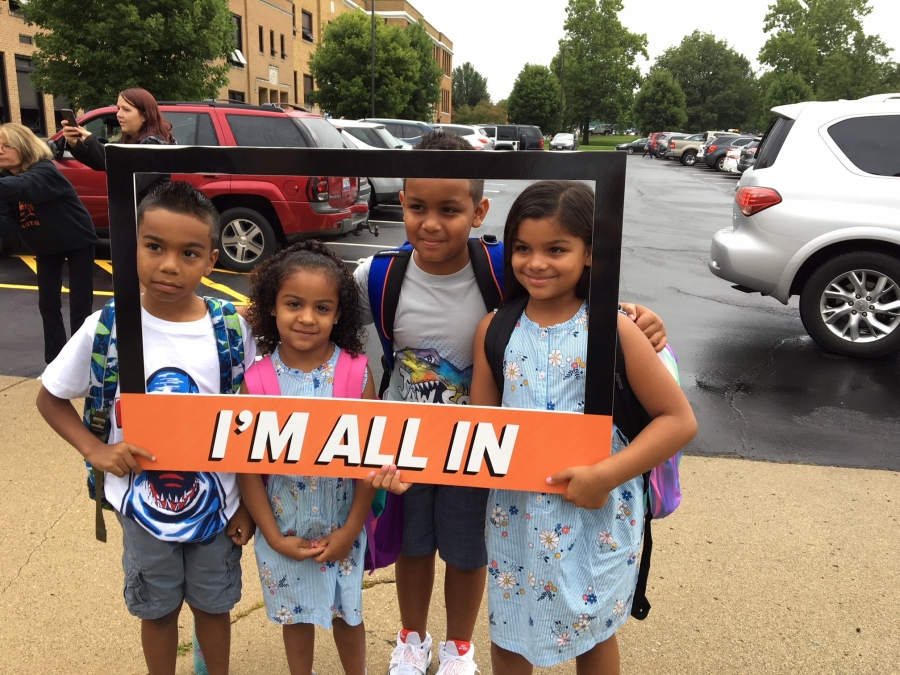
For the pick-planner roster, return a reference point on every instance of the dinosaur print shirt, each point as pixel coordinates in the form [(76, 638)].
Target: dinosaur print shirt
[(434, 332)]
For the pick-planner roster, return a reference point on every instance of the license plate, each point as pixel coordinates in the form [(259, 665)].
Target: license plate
[(346, 185)]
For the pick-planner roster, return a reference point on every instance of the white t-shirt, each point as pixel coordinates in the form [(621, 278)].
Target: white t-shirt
[(179, 357), (434, 332)]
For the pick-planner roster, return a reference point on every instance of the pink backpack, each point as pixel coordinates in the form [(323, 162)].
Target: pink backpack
[(349, 374)]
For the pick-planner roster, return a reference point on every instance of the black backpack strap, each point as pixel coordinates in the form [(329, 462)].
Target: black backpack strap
[(484, 275), (498, 333), (390, 300), (640, 606)]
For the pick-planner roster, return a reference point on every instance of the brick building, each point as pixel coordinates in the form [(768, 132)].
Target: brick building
[(19, 101)]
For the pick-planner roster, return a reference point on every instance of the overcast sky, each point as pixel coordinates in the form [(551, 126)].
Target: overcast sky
[(500, 36)]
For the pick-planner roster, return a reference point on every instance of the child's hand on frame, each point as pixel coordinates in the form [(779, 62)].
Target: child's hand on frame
[(117, 459), (649, 323), (387, 478), (336, 545), (586, 488), (297, 548), (241, 526)]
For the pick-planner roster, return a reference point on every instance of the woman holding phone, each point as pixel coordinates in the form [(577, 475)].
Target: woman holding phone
[(38, 204), (141, 122)]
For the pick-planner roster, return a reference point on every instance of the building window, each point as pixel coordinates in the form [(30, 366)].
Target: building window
[(237, 55), (308, 87), (15, 8), (272, 51), (294, 17), (31, 103), (236, 96), (4, 99), (283, 50), (262, 44), (263, 95), (296, 95), (26, 40), (307, 27)]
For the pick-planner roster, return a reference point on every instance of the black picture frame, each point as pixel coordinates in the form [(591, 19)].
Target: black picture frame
[(606, 170)]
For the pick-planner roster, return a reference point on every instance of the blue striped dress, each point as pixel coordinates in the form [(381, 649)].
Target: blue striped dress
[(310, 507), (561, 578)]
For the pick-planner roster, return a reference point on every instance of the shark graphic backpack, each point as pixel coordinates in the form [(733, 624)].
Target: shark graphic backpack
[(105, 379), (386, 276)]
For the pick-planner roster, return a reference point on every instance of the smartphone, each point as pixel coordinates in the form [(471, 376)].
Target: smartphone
[(69, 117)]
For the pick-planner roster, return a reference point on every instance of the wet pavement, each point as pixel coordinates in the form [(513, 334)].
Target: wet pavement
[(759, 386)]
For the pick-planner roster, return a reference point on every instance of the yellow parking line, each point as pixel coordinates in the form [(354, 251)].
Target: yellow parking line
[(21, 287), (104, 265), (30, 261), (241, 299)]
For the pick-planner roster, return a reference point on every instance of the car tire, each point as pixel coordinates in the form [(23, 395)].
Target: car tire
[(689, 158), (832, 321), (245, 239), (630, 151), (10, 245), (720, 164)]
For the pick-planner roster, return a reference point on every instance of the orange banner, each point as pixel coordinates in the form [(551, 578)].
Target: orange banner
[(443, 444)]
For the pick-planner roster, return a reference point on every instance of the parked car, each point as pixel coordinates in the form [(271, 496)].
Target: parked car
[(819, 216), (711, 137), (564, 142), (730, 163), (410, 131), (476, 136), (662, 144), (715, 152), (382, 190), (530, 138), (257, 213), (748, 156), (681, 146), (602, 129), (633, 146), (370, 134)]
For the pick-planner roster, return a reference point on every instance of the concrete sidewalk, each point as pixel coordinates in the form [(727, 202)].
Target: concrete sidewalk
[(766, 568)]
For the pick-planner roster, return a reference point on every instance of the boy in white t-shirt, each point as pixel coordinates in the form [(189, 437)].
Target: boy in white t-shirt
[(181, 530)]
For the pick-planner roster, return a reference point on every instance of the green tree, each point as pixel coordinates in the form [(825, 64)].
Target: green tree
[(482, 113), (341, 67), (469, 86), (780, 89), (717, 81), (427, 92), (90, 51), (823, 42), (599, 56), (534, 98), (660, 104)]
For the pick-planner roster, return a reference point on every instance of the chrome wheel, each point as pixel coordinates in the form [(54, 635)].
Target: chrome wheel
[(242, 240), (861, 306)]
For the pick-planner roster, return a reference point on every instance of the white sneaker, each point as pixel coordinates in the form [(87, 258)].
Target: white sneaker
[(411, 656), (457, 658)]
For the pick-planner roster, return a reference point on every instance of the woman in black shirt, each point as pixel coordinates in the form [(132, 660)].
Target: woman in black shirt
[(38, 204)]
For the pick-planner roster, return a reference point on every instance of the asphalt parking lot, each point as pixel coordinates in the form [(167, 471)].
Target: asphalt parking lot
[(759, 386)]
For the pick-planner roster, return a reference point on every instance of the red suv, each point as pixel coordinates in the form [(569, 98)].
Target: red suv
[(258, 213)]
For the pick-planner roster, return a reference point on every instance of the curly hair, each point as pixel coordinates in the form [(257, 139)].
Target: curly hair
[(268, 277)]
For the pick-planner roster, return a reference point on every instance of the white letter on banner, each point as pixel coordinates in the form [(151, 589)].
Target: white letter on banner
[(457, 446), (485, 445), (373, 458), (220, 437), (406, 460), (347, 428), (268, 438)]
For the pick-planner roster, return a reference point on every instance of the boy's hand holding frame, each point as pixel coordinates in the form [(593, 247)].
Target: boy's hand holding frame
[(468, 445)]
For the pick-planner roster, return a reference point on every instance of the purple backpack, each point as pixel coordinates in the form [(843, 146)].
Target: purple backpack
[(384, 523), (665, 483)]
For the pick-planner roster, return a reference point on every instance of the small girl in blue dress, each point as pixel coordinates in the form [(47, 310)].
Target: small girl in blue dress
[(310, 540), (563, 567)]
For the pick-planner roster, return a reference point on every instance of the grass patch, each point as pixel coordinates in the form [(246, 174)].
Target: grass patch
[(611, 141), (185, 648), (240, 615), (597, 148)]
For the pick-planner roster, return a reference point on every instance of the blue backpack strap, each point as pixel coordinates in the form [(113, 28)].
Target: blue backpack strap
[(230, 343), (385, 279), (104, 380), (486, 254)]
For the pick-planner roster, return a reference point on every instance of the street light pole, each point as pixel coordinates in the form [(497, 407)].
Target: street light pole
[(373, 57)]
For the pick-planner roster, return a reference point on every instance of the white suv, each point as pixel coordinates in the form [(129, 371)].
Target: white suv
[(819, 216)]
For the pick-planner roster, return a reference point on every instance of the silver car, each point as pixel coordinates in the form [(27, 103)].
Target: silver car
[(371, 136), (819, 216)]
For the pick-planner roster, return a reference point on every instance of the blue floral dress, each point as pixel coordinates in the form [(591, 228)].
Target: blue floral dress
[(310, 507), (562, 577)]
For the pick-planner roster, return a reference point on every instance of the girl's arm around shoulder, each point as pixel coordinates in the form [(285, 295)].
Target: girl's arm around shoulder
[(672, 427), (484, 389)]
